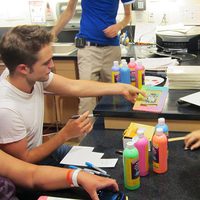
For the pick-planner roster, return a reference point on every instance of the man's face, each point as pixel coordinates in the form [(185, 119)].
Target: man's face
[(41, 69)]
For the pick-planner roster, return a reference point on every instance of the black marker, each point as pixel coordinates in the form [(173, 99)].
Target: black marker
[(89, 116), (119, 152)]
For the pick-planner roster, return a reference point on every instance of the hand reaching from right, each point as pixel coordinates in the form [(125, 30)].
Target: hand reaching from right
[(192, 140)]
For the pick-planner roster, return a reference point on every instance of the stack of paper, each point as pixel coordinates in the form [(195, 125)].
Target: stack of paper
[(158, 64), (175, 28), (184, 77)]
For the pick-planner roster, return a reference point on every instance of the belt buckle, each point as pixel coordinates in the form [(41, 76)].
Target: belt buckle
[(93, 44), (88, 43)]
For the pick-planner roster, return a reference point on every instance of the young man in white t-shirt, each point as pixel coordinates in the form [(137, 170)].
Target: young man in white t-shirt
[(27, 53)]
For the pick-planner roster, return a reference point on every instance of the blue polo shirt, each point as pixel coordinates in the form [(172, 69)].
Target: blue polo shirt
[(97, 15)]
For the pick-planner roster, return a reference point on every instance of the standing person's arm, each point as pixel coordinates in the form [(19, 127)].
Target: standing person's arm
[(65, 17), (50, 178), (113, 30)]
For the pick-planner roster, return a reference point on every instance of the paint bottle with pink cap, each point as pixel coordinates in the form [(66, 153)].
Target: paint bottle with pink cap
[(142, 147)]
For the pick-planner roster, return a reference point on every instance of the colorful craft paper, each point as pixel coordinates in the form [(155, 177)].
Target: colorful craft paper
[(154, 101)]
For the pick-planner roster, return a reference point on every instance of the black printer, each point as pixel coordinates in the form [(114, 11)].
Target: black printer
[(186, 39)]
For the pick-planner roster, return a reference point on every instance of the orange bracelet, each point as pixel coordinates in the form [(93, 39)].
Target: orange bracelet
[(69, 177)]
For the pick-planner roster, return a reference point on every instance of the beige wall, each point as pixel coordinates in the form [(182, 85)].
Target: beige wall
[(176, 11), (17, 12)]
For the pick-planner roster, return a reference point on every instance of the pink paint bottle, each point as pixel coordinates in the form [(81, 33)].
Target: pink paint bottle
[(132, 66), (139, 75), (142, 147)]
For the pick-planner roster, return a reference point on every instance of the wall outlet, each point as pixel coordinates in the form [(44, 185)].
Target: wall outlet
[(151, 18)]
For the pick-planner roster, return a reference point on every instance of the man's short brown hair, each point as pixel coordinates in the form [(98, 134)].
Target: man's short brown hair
[(21, 45)]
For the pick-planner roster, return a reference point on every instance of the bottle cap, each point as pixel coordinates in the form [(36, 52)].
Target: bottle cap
[(159, 131), (124, 64), (140, 132), (130, 145), (116, 62), (135, 139), (161, 120), (139, 63), (123, 60), (132, 60)]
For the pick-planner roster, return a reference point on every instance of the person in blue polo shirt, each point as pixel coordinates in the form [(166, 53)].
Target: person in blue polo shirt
[(97, 40)]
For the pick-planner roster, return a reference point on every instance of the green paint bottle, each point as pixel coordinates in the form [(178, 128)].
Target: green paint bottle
[(131, 167)]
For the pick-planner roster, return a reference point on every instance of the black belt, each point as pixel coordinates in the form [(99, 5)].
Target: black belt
[(95, 44)]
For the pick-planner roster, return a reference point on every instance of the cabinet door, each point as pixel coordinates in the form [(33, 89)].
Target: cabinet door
[(66, 68), (50, 108), (65, 106)]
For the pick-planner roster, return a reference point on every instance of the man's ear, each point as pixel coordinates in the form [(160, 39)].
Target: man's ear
[(22, 69)]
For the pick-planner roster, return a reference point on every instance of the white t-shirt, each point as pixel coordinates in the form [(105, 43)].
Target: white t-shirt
[(21, 114)]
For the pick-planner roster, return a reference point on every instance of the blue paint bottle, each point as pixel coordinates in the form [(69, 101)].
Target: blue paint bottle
[(125, 73), (163, 125)]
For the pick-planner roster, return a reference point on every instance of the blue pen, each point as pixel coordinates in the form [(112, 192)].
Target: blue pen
[(89, 171), (96, 168), (92, 171), (73, 167)]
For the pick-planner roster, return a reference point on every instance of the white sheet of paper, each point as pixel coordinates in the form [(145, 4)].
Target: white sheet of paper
[(106, 162), (192, 98), (78, 155)]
